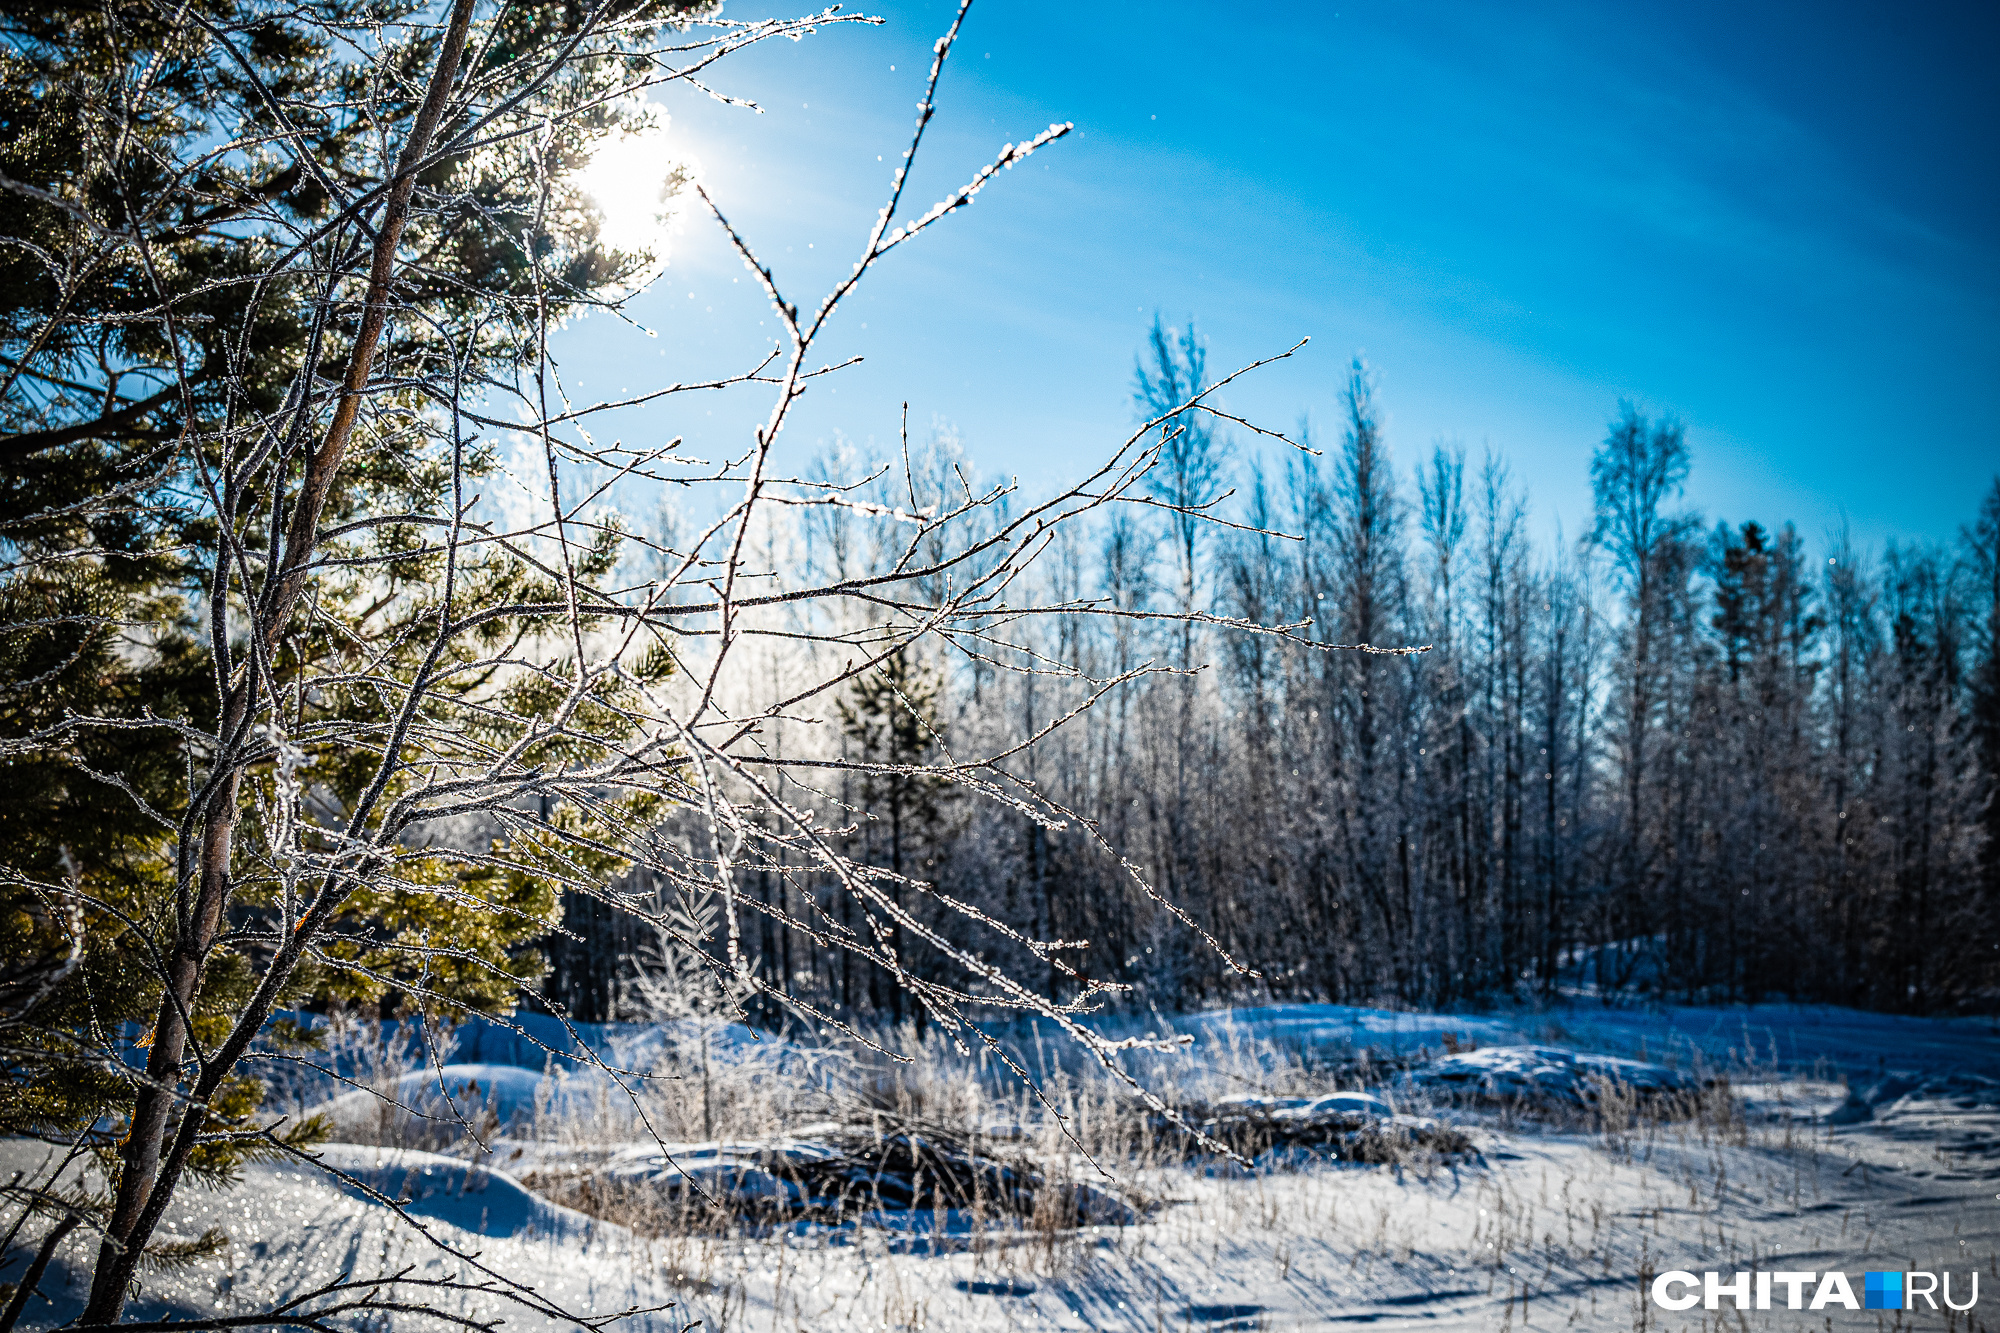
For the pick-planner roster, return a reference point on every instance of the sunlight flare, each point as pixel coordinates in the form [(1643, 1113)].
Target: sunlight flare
[(633, 179)]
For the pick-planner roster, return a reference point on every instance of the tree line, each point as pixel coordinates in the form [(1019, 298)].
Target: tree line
[(1678, 760)]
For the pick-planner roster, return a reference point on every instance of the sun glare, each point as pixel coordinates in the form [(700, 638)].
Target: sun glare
[(630, 178)]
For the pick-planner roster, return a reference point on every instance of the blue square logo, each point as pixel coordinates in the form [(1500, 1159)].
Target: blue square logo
[(1882, 1291)]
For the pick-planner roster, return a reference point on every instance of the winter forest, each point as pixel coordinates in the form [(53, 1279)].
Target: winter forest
[(1683, 758), (519, 807)]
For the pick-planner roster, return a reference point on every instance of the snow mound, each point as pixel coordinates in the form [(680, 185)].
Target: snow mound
[(438, 1103), (1547, 1075), (1308, 1109), (1884, 1098), (743, 1177), (833, 1173), (1346, 1126), (1792, 1099), (445, 1189), (292, 1227)]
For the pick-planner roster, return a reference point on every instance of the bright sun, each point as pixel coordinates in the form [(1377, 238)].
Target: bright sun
[(630, 178)]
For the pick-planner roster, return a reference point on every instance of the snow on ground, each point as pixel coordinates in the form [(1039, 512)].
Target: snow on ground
[(291, 1229), (1545, 1228), (1548, 1073), (506, 1093), (1547, 1233), (1850, 1041), (1853, 1042)]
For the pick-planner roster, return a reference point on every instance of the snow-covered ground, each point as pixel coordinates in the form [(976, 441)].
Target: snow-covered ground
[(1849, 1041), (1865, 1144)]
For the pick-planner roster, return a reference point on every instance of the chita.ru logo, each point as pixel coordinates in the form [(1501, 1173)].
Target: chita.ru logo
[(1679, 1290)]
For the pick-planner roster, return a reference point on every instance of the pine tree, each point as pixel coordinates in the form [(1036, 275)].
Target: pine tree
[(153, 164), (891, 719)]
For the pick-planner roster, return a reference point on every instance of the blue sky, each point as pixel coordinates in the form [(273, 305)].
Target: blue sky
[(1779, 225)]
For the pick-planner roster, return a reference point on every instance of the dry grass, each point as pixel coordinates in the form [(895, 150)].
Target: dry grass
[(953, 1191)]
